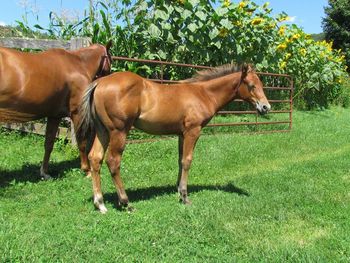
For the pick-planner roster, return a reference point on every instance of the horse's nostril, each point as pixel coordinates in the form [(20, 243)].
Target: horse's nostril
[(265, 108)]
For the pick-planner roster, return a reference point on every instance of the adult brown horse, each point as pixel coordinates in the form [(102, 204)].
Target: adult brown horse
[(49, 84), (116, 102)]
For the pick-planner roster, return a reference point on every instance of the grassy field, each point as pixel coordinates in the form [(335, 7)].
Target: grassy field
[(256, 198)]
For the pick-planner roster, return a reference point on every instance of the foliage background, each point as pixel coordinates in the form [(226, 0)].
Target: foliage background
[(336, 25), (213, 33)]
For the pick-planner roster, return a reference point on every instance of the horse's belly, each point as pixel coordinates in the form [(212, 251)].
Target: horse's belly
[(157, 127), (11, 116), (27, 103)]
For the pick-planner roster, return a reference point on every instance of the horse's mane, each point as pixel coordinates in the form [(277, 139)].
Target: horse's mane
[(217, 72)]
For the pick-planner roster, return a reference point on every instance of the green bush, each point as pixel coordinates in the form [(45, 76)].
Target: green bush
[(214, 33)]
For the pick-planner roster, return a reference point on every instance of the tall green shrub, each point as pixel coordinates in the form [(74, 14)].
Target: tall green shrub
[(214, 33)]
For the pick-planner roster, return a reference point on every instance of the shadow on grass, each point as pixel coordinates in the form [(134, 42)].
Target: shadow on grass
[(31, 172), (140, 194)]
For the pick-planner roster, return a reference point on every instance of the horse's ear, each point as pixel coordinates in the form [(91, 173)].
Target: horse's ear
[(109, 44), (245, 69)]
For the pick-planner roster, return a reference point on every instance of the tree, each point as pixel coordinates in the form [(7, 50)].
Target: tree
[(318, 37), (336, 26)]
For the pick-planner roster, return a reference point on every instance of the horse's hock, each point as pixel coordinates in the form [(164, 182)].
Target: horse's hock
[(235, 117)]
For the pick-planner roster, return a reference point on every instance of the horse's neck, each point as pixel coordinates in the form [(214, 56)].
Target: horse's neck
[(91, 60), (223, 90)]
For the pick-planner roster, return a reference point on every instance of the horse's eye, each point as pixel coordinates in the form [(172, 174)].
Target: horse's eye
[(251, 86)]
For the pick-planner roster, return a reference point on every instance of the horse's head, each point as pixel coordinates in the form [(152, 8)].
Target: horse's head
[(106, 61), (251, 89)]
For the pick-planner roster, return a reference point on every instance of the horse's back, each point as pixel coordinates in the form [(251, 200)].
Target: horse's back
[(155, 108)]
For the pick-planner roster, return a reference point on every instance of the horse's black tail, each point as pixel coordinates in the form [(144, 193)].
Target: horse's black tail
[(85, 126)]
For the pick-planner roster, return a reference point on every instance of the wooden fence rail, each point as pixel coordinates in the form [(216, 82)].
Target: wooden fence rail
[(43, 44)]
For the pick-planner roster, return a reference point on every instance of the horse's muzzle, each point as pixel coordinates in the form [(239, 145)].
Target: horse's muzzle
[(263, 108)]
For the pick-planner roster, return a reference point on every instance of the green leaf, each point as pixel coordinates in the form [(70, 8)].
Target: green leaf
[(194, 2), (220, 11), (39, 27), (213, 33), (141, 6), (226, 23), (239, 49), (185, 14), (166, 26), (170, 38), (192, 27), (154, 31), (162, 54), (159, 14), (201, 15), (103, 4), (169, 8), (217, 44), (264, 63), (106, 23)]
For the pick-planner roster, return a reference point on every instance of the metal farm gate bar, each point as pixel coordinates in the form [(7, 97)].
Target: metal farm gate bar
[(238, 115)]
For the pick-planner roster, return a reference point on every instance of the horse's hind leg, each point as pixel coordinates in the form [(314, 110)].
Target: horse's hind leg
[(82, 145), (50, 135), (96, 157), (115, 151), (180, 149)]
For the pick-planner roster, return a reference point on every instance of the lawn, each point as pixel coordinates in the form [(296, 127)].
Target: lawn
[(282, 197)]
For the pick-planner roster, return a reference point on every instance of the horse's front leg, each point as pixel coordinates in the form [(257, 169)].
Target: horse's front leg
[(186, 149), (50, 135), (115, 152)]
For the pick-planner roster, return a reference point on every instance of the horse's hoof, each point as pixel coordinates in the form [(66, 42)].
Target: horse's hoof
[(99, 204), (88, 175), (45, 176), (185, 201), (130, 209), (101, 208), (123, 202)]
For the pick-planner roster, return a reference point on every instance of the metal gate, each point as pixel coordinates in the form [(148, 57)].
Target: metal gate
[(239, 116)]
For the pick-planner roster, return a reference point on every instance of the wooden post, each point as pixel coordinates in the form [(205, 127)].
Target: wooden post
[(76, 43), (42, 44)]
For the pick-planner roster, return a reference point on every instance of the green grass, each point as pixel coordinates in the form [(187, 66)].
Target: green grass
[(256, 198)]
